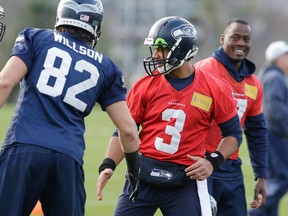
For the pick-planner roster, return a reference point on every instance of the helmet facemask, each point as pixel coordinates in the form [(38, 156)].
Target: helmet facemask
[(2, 25), (96, 35), (151, 64)]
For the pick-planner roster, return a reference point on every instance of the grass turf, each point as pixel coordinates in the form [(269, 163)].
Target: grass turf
[(98, 131)]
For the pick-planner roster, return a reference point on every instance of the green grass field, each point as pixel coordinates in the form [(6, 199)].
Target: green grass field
[(98, 131)]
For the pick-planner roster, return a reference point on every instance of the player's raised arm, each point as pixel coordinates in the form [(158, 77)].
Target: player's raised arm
[(11, 74)]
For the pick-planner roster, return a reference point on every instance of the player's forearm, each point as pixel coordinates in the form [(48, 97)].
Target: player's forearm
[(11, 74), (114, 155), (126, 126), (2, 99), (227, 146), (128, 136), (114, 150), (5, 90)]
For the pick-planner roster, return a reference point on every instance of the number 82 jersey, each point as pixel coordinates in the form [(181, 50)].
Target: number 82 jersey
[(65, 79)]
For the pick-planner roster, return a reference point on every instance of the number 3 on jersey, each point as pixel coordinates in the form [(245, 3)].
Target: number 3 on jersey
[(174, 131), (60, 74)]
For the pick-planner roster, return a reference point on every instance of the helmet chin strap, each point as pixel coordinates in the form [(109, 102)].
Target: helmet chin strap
[(191, 53), (167, 68)]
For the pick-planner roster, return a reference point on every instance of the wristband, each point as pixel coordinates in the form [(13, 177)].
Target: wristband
[(107, 163), (132, 161), (216, 159)]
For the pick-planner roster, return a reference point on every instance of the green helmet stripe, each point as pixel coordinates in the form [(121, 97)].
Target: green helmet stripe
[(160, 42)]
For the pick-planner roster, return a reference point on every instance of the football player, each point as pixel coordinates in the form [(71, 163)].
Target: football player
[(61, 78), (229, 62), (174, 106)]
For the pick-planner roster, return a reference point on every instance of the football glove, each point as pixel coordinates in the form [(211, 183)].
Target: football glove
[(133, 178), (132, 173), (213, 204)]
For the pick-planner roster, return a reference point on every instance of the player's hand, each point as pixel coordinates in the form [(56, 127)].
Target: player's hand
[(260, 193), (133, 178), (200, 170), (103, 178)]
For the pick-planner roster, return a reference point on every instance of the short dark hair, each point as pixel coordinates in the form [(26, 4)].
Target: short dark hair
[(236, 20), (77, 32)]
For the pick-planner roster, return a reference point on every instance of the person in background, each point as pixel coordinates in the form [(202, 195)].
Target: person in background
[(229, 62), (61, 78), (174, 106), (274, 78)]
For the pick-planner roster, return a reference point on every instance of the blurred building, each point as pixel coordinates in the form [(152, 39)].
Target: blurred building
[(130, 22), (127, 23)]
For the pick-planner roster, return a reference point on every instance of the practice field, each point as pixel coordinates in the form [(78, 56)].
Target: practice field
[(98, 132)]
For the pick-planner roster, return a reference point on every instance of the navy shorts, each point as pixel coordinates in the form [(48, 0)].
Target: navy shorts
[(29, 173), (182, 200), (230, 196)]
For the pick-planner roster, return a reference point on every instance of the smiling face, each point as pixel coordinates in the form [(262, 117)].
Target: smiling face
[(236, 42)]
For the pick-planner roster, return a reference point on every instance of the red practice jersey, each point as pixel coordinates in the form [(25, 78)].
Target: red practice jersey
[(248, 94), (175, 123)]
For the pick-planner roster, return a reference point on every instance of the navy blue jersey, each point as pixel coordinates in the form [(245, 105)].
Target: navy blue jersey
[(64, 81)]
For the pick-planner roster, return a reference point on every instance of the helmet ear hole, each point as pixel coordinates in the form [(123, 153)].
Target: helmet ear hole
[(174, 61)]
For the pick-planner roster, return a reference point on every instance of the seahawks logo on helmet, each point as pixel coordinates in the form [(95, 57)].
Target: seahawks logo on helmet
[(184, 30), (84, 7), (100, 7)]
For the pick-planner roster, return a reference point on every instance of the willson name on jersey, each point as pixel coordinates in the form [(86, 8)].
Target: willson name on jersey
[(79, 49)]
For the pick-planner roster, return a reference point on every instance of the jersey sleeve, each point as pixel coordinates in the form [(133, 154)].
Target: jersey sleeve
[(115, 90), (24, 47)]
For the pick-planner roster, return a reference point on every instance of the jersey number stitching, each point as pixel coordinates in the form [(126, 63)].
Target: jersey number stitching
[(60, 74), (174, 131)]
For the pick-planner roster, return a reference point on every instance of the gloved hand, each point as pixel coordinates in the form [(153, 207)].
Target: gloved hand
[(213, 204), (133, 178), (132, 173)]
